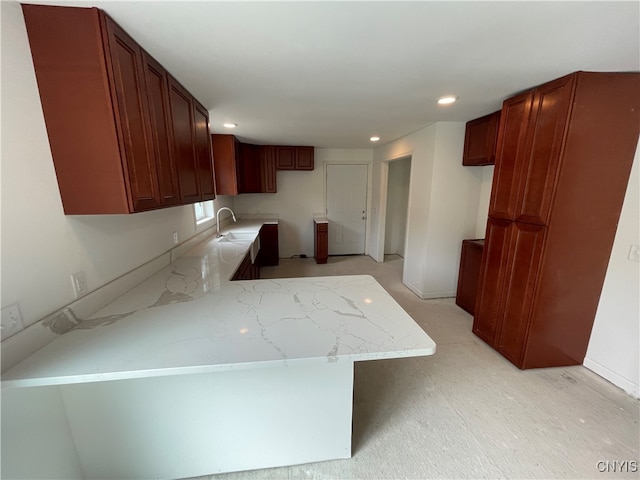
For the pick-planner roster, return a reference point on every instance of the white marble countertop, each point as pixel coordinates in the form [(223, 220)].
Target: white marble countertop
[(189, 318)]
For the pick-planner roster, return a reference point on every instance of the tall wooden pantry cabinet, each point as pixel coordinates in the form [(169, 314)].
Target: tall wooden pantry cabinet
[(563, 159)]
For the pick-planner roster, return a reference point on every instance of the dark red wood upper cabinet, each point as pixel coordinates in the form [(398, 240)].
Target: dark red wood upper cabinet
[(123, 135), (226, 150), (158, 95), (506, 176), (285, 158), (202, 148), (480, 140), (251, 168), (304, 158), (543, 146), (182, 121), (128, 77)]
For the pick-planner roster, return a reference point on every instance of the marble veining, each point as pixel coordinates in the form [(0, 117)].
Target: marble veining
[(189, 318)]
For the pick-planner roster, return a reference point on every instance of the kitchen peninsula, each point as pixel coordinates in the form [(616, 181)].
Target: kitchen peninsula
[(192, 374)]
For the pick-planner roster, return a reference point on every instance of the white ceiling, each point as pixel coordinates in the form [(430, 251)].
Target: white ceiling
[(331, 74)]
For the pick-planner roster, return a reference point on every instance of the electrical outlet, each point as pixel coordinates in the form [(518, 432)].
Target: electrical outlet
[(11, 321), (175, 238), (79, 284), (634, 253)]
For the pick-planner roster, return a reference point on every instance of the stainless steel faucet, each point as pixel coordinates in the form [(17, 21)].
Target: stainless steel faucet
[(218, 234)]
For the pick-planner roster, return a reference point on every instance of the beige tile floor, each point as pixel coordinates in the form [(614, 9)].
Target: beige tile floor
[(466, 412)]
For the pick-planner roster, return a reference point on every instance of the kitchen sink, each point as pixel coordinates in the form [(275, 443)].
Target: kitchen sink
[(238, 237)]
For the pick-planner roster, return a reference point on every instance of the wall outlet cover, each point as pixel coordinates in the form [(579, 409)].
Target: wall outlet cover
[(11, 321), (634, 253), (79, 284)]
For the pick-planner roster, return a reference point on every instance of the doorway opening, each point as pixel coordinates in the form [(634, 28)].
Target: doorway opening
[(397, 205)]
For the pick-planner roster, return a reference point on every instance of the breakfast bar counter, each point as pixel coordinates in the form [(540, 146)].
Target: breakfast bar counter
[(192, 374)]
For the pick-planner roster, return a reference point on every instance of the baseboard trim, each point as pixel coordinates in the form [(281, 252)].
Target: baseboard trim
[(615, 378)]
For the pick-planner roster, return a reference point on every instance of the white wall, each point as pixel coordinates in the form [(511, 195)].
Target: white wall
[(614, 347), (397, 203), (41, 247), (443, 206), (483, 203), (300, 195)]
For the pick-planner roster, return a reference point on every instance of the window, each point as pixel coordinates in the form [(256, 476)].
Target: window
[(203, 211)]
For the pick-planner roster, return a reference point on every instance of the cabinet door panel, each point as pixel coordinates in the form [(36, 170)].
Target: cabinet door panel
[(480, 140), (492, 273), (158, 96), (304, 158), (182, 124), (204, 160), (544, 142), (506, 176), (285, 158), (128, 76), (524, 260)]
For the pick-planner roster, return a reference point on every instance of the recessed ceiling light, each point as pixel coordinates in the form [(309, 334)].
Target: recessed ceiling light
[(229, 125), (449, 99), (374, 139)]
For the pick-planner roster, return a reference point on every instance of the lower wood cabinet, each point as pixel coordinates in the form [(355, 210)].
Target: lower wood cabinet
[(269, 254), (469, 274), (247, 270), (503, 310), (321, 241)]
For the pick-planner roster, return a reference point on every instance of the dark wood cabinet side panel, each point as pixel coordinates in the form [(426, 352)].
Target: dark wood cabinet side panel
[(202, 146), (509, 152), (469, 274), (321, 242), (183, 130), (493, 268), (251, 171), (158, 97), (224, 160), (480, 140), (519, 287), (130, 94), (269, 246), (551, 105), (70, 65)]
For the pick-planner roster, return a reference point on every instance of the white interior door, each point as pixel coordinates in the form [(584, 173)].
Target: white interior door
[(346, 208)]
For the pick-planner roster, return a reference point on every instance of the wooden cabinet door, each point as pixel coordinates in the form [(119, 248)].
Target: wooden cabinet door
[(158, 99), (304, 158), (545, 135), (268, 169), (525, 249), (480, 140), (285, 158), (509, 152), (202, 148), (133, 124), (493, 269), (182, 118)]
